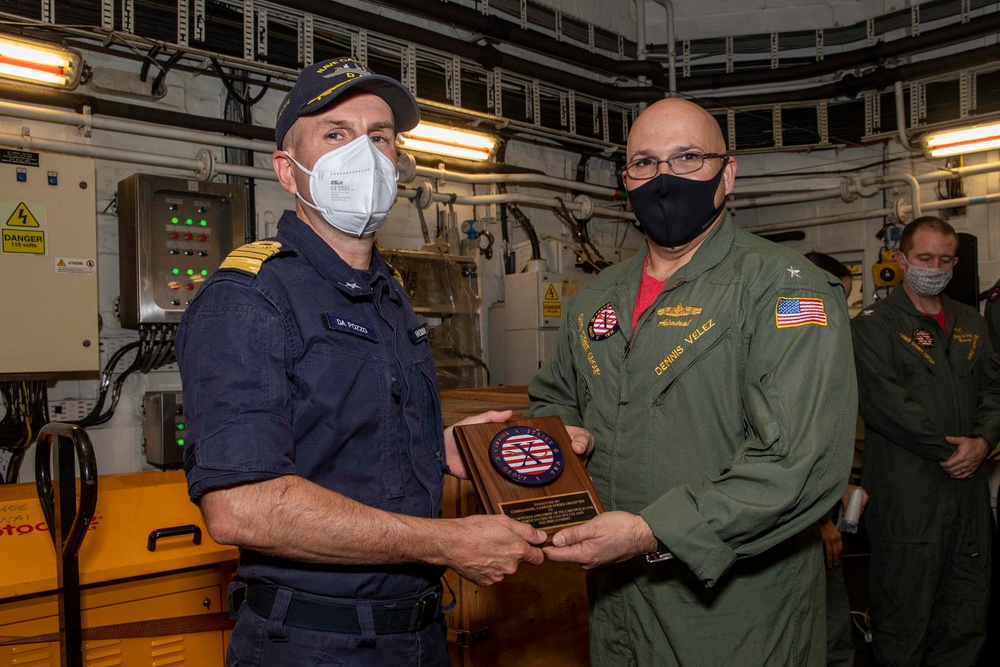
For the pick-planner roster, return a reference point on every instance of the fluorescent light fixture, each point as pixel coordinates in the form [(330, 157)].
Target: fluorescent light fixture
[(964, 140), (448, 141), (37, 62)]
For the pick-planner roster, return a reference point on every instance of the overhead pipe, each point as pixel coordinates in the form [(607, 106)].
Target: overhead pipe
[(853, 216), (499, 29), (876, 55), (972, 170), (756, 201), (486, 55), (958, 202), (850, 86), (88, 120), (491, 173), (640, 40), (496, 28), (906, 179), (132, 112), (525, 179), (671, 50)]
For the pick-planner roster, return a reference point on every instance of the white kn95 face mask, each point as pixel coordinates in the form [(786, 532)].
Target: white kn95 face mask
[(352, 187)]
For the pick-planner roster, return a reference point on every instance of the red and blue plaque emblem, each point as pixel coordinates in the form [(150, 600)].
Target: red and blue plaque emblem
[(603, 324), (526, 455)]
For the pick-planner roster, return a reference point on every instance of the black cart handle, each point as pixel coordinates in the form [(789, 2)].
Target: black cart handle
[(173, 531), (68, 437)]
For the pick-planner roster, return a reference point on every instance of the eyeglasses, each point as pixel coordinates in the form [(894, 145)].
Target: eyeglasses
[(644, 168)]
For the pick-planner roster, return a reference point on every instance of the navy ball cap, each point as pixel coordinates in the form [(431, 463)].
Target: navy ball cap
[(321, 84)]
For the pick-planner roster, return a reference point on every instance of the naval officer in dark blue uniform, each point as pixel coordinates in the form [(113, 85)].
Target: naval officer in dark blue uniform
[(315, 439)]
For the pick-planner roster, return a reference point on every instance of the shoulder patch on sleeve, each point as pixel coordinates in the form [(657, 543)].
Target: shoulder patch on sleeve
[(799, 311), (250, 257)]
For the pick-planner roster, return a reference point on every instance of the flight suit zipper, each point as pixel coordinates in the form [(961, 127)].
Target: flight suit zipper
[(638, 321)]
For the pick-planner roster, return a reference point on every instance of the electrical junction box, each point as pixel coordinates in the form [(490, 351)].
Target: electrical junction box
[(533, 311), (165, 429), (48, 264), (173, 233)]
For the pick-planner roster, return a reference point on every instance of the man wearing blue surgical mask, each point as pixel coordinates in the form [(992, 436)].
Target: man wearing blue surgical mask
[(315, 432), (929, 384)]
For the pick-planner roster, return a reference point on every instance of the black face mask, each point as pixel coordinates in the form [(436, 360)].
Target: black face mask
[(673, 211)]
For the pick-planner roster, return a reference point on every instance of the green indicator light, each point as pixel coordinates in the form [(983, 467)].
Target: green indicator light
[(175, 271), (190, 272), (189, 221), (180, 427), (180, 442), (203, 223), (174, 221), (204, 272)]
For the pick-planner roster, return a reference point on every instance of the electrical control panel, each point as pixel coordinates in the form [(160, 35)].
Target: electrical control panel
[(48, 264), (165, 429), (173, 233)]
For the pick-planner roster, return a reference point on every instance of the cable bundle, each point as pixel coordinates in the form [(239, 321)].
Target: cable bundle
[(27, 411)]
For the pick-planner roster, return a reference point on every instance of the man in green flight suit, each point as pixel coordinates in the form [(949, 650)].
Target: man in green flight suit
[(930, 397), (710, 381)]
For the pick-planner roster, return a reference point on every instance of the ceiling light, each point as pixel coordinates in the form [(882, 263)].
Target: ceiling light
[(447, 141), (36, 62), (961, 141)]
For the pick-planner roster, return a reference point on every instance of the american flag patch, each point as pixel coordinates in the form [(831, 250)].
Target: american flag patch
[(797, 312)]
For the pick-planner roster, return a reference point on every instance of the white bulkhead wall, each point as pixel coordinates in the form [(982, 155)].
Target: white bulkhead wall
[(118, 442)]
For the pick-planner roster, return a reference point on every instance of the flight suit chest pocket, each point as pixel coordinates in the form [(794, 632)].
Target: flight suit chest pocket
[(694, 346), (918, 352)]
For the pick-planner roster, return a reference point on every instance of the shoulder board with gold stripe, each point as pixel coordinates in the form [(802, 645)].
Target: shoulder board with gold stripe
[(249, 258)]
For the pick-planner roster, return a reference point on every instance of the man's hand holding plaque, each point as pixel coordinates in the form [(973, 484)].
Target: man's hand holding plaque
[(527, 470)]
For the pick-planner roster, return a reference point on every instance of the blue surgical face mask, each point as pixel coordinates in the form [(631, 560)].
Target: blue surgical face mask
[(353, 187)]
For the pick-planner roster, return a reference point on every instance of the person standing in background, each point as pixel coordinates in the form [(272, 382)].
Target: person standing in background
[(930, 398), (839, 643)]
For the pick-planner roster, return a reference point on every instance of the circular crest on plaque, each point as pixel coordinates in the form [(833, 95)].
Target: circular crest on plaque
[(526, 455)]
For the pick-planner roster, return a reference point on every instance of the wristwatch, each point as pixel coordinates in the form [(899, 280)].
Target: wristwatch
[(661, 554)]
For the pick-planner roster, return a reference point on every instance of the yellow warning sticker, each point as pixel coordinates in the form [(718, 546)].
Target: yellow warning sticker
[(22, 217), (552, 309), (551, 294), (27, 242)]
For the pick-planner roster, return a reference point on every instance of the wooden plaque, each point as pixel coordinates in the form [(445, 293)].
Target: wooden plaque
[(527, 470)]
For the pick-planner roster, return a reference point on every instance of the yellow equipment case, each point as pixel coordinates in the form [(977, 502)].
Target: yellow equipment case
[(165, 606)]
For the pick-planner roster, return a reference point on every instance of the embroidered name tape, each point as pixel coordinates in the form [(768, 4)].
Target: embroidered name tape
[(337, 323), (418, 333)]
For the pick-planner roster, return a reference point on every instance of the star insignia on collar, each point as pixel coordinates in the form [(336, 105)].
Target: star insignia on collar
[(793, 272), (352, 286)]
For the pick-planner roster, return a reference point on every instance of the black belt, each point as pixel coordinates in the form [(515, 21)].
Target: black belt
[(337, 615)]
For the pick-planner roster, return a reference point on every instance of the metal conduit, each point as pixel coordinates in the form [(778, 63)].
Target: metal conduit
[(86, 119), (756, 201), (102, 153), (205, 166), (818, 222), (526, 179)]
